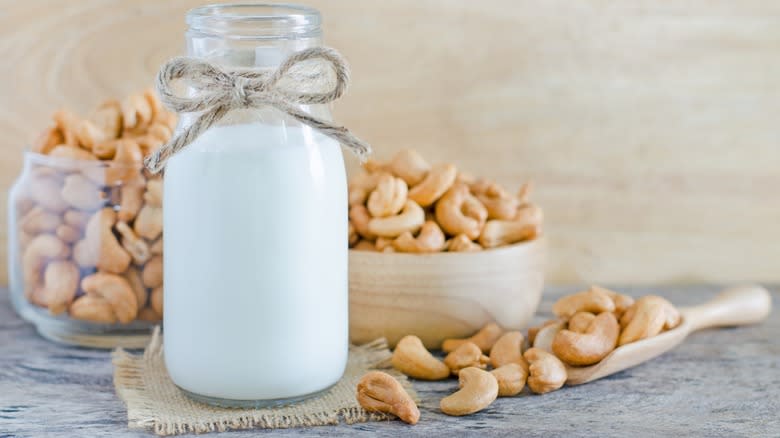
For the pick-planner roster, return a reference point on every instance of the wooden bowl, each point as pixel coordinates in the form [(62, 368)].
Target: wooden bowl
[(443, 295)]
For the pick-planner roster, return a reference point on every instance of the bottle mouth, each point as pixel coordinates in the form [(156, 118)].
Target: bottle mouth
[(255, 21)]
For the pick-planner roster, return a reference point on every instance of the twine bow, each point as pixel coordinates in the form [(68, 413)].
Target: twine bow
[(216, 92)]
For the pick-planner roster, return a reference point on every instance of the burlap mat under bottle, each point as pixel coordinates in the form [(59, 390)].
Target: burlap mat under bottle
[(154, 402)]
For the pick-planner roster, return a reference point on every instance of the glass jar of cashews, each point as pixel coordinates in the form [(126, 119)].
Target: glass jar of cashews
[(256, 294), (85, 226)]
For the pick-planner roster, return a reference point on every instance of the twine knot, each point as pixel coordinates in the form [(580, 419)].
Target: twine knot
[(214, 92)]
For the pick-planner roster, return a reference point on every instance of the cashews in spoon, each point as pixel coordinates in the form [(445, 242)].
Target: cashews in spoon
[(592, 300), (649, 316), (589, 347), (478, 389)]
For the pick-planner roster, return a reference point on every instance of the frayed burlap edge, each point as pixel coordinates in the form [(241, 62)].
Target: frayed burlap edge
[(134, 387)]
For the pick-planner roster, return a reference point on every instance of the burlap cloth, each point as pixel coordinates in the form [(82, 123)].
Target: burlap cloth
[(154, 402)]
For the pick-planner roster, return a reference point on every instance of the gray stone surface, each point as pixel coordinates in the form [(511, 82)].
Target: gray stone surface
[(722, 382)]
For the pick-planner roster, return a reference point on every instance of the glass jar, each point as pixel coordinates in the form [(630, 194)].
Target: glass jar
[(85, 250), (256, 294)]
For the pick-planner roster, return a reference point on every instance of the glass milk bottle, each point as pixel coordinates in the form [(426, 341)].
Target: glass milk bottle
[(256, 295)]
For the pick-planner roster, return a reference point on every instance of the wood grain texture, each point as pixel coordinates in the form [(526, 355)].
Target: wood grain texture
[(445, 295), (649, 127), (719, 383)]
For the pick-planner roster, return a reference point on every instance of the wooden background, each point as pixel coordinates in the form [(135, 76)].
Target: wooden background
[(650, 127)]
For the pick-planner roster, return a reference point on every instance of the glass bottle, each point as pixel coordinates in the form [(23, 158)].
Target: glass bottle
[(255, 261)]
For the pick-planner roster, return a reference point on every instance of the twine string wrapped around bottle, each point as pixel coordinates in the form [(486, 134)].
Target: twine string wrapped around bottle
[(214, 92)]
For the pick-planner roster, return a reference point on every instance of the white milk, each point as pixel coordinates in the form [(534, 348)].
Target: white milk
[(255, 263)]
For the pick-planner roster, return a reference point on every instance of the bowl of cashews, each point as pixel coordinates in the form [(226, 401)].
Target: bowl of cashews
[(438, 253)]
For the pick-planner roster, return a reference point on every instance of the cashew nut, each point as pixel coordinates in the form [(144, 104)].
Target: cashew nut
[(88, 134), (383, 244), (152, 273), (73, 153), (545, 371), (76, 219), (67, 122), (499, 203), (380, 392), (359, 217), (544, 338), (134, 245), (48, 139), (478, 389), (466, 355), (622, 302), (40, 250), (60, 283), (388, 198), (133, 277), (647, 318), (413, 359), (116, 291), (459, 212), (108, 118), (508, 349), (81, 193), (156, 247), (524, 193), (511, 378), (461, 243), (45, 191), (592, 300), (580, 321), (526, 225), (374, 166), (410, 219), (154, 192), (92, 308), (131, 199), (352, 235), (533, 331), (410, 166), (149, 222), (100, 247), (67, 233), (438, 180), (430, 239), (148, 314), (136, 111), (156, 300), (581, 349), (39, 220), (364, 245), (484, 338)]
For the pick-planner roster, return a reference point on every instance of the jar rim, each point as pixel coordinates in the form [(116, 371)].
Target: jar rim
[(255, 21), (72, 163)]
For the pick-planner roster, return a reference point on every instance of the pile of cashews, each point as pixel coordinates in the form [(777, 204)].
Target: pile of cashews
[(89, 221), (408, 205), (589, 325)]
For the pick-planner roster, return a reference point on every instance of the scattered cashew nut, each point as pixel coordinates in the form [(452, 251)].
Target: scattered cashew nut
[(466, 355), (478, 389), (413, 359), (380, 392), (484, 339), (545, 371), (511, 379), (508, 349)]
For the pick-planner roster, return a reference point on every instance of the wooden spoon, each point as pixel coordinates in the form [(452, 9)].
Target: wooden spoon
[(736, 306)]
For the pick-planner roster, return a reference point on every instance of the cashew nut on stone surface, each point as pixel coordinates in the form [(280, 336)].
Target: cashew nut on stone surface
[(438, 180), (484, 339), (359, 217), (461, 243), (592, 300), (649, 316), (411, 219), (92, 308), (466, 355), (508, 349), (511, 379), (545, 371), (580, 321), (459, 212), (60, 283), (388, 198), (478, 389), (380, 392), (589, 347), (413, 359), (430, 239), (116, 291)]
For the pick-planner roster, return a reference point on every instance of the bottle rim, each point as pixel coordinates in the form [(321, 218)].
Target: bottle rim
[(255, 21)]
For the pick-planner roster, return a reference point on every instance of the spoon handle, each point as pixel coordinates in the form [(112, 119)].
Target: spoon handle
[(739, 305)]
